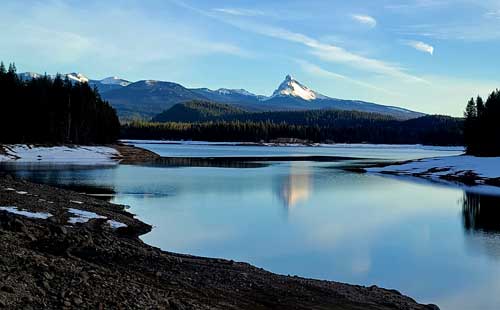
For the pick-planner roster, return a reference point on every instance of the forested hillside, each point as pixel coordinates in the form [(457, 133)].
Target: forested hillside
[(202, 111), (198, 111), (45, 110), (314, 126)]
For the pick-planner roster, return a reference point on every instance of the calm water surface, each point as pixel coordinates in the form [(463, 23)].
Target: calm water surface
[(437, 244)]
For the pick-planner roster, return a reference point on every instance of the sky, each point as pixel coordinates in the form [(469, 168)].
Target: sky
[(425, 55)]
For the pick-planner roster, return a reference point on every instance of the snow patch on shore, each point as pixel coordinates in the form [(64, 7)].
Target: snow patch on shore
[(34, 215), (115, 224), (484, 167), (88, 155), (82, 216)]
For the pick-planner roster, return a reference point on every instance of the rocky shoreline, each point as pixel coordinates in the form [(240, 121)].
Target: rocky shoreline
[(59, 263)]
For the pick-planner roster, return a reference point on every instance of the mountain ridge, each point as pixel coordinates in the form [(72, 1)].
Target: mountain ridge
[(147, 98)]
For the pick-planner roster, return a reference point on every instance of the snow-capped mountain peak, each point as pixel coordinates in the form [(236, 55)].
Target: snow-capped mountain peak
[(77, 77), (113, 80), (291, 87)]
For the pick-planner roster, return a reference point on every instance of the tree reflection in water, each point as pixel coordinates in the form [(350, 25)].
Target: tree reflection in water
[(71, 177), (481, 213), (481, 220)]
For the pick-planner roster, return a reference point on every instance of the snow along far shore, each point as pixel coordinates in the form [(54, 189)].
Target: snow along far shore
[(474, 174), (483, 167), (84, 155)]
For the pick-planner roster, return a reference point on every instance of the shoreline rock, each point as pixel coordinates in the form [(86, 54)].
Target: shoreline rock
[(50, 263)]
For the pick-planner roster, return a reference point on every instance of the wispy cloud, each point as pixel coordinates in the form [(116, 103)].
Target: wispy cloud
[(324, 51), (462, 20), (421, 46), (365, 20), (240, 12), (328, 52), (493, 14), (318, 71), (417, 4), (58, 32), (472, 32)]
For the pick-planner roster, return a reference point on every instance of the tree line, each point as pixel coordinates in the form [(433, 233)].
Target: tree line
[(481, 127), (429, 130), (53, 110)]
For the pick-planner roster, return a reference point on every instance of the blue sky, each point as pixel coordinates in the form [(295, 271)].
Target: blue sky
[(426, 55)]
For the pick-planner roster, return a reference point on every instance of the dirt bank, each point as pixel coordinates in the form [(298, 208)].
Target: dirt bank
[(50, 263), (132, 155)]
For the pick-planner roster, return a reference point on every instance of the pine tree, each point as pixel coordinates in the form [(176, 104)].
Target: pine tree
[(470, 125), (480, 106), (45, 110), (481, 127), (12, 68)]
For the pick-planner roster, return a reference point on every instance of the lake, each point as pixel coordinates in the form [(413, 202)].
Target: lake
[(435, 243)]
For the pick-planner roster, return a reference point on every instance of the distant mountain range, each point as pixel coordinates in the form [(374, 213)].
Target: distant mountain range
[(148, 98)]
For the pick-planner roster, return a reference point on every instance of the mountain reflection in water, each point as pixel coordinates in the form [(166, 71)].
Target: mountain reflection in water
[(296, 187)]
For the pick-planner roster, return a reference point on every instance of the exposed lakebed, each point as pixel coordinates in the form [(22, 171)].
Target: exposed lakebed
[(438, 244)]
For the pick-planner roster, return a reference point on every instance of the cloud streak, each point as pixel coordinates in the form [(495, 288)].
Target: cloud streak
[(365, 20), (478, 32), (325, 52), (418, 4), (463, 20), (240, 12), (421, 46), (60, 33), (318, 71), (328, 52), (493, 14)]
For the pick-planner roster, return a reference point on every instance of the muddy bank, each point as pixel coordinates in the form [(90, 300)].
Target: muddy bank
[(130, 154), (59, 263)]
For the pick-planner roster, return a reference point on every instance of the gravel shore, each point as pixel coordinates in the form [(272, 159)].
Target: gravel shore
[(50, 261)]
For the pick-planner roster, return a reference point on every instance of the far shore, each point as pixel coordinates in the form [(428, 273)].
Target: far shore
[(287, 143)]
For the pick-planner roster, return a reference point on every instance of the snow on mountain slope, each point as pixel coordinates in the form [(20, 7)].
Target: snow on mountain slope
[(243, 92), (26, 76), (113, 80), (291, 87), (77, 77)]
